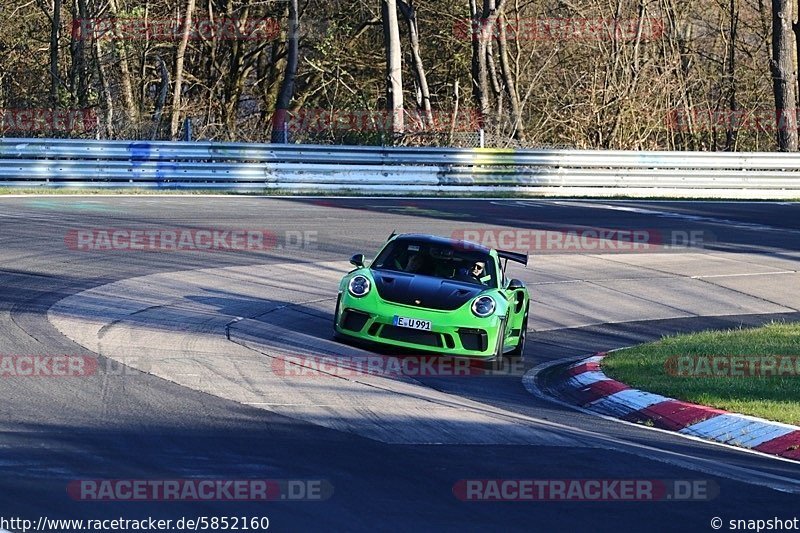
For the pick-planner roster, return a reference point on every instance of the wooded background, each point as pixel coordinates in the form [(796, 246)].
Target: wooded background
[(621, 74)]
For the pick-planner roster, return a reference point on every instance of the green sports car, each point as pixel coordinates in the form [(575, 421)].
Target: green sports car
[(437, 295)]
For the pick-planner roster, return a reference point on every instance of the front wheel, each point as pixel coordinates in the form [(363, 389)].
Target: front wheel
[(523, 333), (496, 361), (336, 334)]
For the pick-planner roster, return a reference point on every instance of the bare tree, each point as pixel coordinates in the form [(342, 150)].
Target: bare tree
[(179, 58), (394, 72), (784, 75), (698, 83), (161, 99), (509, 82), (125, 71), (730, 76), (290, 72), (78, 76), (409, 12), (108, 99), (483, 21), (54, 35)]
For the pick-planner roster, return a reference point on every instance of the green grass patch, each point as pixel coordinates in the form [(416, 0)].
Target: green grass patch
[(752, 371)]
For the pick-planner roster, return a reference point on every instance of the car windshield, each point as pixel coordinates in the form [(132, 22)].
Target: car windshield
[(444, 261)]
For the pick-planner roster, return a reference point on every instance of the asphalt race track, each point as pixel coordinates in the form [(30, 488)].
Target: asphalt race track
[(191, 344)]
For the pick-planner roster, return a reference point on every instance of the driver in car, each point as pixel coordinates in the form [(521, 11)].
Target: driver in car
[(415, 263), (476, 273)]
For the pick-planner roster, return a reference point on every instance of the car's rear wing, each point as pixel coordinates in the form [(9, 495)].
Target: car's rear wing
[(513, 256)]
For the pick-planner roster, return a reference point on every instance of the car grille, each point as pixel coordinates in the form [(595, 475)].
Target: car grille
[(413, 336)]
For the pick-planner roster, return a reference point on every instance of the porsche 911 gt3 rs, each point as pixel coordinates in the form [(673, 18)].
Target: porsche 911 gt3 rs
[(435, 294)]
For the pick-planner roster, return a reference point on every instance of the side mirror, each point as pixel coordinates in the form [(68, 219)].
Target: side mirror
[(515, 284), (357, 260)]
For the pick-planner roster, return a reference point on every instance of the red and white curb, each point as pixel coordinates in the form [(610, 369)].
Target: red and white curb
[(585, 384)]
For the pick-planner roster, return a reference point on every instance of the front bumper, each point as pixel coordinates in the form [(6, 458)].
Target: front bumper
[(458, 332)]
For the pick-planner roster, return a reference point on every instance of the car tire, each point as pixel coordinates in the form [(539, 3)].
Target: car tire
[(498, 359), (336, 335), (519, 350)]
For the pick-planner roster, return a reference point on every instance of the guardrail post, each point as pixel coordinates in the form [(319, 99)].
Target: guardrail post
[(187, 129)]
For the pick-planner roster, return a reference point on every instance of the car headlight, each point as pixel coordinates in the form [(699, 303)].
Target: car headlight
[(358, 286), (483, 306)]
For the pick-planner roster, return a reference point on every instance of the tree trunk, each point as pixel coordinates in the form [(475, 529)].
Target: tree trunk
[(125, 72), (287, 86), (83, 81), (394, 73), (510, 83), (475, 74), (105, 90), (456, 99), (796, 29), (424, 103), (481, 31), (784, 75), (75, 48), (232, 88), (179, 56), (76, 72), (730, 79), (54, 33), (497, 89), (163, 89)]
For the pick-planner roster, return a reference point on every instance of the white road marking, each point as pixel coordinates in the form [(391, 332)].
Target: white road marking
[(682, 216), (709, 276), (683, 460)]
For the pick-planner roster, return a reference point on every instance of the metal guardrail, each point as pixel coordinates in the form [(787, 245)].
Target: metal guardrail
[(208, 165)]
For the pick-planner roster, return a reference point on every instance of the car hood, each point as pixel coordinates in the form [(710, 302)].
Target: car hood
[(424, 291)]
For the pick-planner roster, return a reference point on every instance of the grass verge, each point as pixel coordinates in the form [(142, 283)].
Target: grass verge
[(752, 371)]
